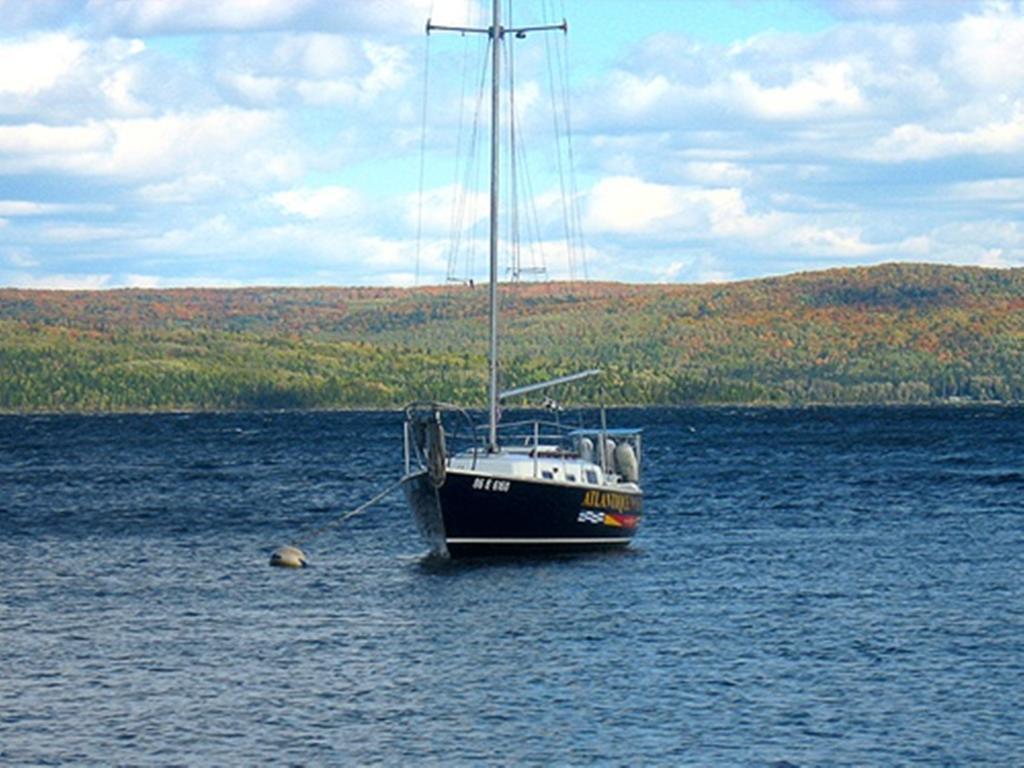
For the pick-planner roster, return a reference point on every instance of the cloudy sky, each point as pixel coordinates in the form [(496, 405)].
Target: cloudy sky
[(187, 142)]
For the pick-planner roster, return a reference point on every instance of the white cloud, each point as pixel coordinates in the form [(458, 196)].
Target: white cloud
[(824, 89), (442, 208), (82, 233), (636, 94), (662, 213), (28, 208), (986, 48), (158, 154), (58, 77), (915, 246), (671, 272), (141, 281), (629, 205), (706, 268), (182, 16), (319, 69), (995, 258), (23, 145), (37, 63), (317, 56), (388, 68), (728, 215), (57, 282), (166, 145), (20, 258), (240, 143), (716, 173), (918, 142), (199, 280), (318, 203), (762, 80), (831, 242), (218, 234), (183, 189), (626, 204), (987, 242), (152, 16), (378, 253), (255, 89), (452, 13), (887, 10), (21, 15), (1008, 190), (120, 88)]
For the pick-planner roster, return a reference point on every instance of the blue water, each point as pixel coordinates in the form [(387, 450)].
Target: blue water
[(810, 587)]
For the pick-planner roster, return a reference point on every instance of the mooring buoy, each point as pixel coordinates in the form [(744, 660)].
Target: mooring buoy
[(289, 557)]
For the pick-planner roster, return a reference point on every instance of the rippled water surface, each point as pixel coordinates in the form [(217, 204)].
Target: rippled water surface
[(810, 587)]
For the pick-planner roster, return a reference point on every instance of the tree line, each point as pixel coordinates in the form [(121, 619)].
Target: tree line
[(890, 334)]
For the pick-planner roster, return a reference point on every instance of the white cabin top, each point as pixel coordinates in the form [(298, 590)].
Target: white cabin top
[(547, 463)]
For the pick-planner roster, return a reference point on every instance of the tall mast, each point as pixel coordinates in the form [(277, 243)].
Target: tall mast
[(492, 387), (497, 34)]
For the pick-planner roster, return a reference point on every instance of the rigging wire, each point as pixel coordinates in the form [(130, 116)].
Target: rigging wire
[(527, 256), (574, 192), (423, 158), (523, 240), (513, 176), (560, 84), (475, 181), (467, 177), (557, 127), (453, 230), (523, 212)]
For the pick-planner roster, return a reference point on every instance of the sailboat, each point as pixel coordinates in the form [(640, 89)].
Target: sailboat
[(533, 486)]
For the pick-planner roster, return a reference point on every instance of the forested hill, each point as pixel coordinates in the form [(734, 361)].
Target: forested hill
[(893, 333)]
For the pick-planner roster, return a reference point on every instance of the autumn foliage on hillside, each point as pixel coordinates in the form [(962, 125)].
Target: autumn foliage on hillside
[(894, 333)]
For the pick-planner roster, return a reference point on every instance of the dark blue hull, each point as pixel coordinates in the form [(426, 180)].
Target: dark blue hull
[(472, 515)]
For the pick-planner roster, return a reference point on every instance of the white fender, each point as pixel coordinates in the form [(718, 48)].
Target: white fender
[(609, 455), (586, 449), (626, 463)]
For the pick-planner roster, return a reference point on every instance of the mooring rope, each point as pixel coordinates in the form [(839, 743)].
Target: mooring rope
[(314, 532)]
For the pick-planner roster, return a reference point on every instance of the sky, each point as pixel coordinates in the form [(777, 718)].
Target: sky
[(163, 143)]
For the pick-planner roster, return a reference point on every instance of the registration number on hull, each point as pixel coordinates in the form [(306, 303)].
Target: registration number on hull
[(490, 484)]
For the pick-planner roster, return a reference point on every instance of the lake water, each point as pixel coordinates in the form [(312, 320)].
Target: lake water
[(809, 587)]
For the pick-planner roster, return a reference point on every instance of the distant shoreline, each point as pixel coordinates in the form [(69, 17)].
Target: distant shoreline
[(568, 409), (892, 334)]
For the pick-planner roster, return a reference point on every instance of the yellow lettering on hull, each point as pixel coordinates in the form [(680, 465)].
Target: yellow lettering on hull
[(612, 502)]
